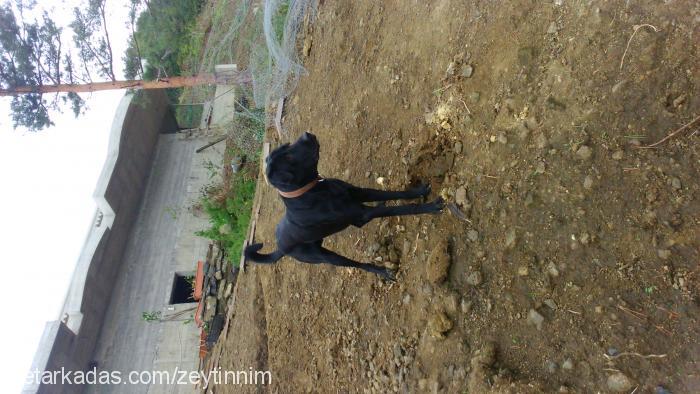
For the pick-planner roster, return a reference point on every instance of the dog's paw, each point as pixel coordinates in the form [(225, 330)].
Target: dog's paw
[(421, 190), (387, 275), (437, 205)]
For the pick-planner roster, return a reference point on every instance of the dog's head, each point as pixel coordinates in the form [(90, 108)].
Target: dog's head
[(291, 166)]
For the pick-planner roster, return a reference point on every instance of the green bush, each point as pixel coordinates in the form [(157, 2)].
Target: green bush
[(229, 223)]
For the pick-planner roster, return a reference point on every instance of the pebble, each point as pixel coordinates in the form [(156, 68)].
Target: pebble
[(534, 318), (619, 383), (439, 325), (567, 364), (552, 269), (551, 304), (467, 70), (466, 305), (523, 271), (540, 169), (461, 196), (475, 278), (218, 275), (588, 182), (618, 155), (664, 254), (472, 235), (584, 152), (502, 139), (407, 299), (551, 366), (510, 238), (458, 147), (474, 97), (552, 29), (676, 183)]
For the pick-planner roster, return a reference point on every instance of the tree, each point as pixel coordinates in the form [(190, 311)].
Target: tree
[(42, 74)]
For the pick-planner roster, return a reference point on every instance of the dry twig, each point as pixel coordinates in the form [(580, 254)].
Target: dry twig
[(636, 28), (672, 134), (609, 357)]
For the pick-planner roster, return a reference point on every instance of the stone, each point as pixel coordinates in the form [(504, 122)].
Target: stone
[(465, 305), (439, 324), (567, 364), (209, 308), (551, 304), (619, 383), (676, 183), (228, 290), (475, 278), (407, 299), (617, 155), (458, 147), (552, 29), (218, 275), (438, 263), (467, 70), (510, 238), (523, 271), (664, 254), (584, 152), (552, 269), (474, 97), (461, 196), (472, 235), (534, 318)]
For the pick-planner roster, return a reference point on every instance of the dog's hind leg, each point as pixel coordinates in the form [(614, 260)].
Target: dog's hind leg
[(366, 195), (400, 210), (314, 253)]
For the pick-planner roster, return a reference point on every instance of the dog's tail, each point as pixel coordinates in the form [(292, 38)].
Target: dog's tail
[(251, 253)]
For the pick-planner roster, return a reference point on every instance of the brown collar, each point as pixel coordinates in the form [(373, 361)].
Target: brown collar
[(302, 190)]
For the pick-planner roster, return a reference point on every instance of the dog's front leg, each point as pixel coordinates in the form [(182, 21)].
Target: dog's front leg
[(314, 253), (367, 195)]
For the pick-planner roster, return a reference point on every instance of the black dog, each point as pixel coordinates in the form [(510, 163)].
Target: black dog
[(317, 208)]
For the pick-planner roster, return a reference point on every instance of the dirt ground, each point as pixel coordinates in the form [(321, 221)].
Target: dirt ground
[(574, 264)]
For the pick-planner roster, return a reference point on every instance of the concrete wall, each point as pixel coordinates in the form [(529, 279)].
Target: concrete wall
[(70, 341)]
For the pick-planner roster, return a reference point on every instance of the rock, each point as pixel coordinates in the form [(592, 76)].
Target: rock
[(551, 367), (540, 168), (502, 139), (373, 248), (661, 390), (679, 100), (567, 364), (467, 70), (510, 238), (438, 263), (584, 152), (465, 305), (228, 290), (209, 308), (222, 286), (523, 271), (552, 269), (472, 235), (406, 299), (551, 304), (458, 147), (368, 174), (439, 325), (380, 180), (676, 183), (452, 303), (664, 254), (225, 229), (475, 278), (534, 318), (461, 197), (451, 68), (619, 383), (474, 97), (308, 42), (218, 275), (618, 155), (613, 351), (552, 29)]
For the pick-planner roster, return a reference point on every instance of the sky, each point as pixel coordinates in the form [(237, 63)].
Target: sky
[(46, 206)]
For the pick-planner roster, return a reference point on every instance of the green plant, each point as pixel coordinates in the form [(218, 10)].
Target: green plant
[(150, 317), (229, 221)]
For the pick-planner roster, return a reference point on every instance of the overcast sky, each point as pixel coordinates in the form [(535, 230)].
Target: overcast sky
[(46, 206)]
